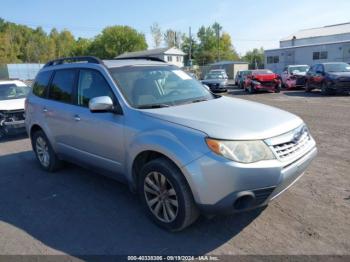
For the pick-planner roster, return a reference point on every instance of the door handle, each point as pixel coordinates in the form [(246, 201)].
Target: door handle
[(45, 110), (77, 118)]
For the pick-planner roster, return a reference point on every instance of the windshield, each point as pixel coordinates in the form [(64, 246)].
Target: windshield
[(214, 75), (298, 69), (262, 72), (11, 91), (158, 86), (337, 67)]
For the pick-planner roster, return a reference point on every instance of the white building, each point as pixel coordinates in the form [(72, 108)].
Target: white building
[(310, 46), (171, 55)]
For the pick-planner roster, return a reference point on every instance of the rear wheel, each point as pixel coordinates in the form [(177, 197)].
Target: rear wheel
[(47, 158), (166, 196)]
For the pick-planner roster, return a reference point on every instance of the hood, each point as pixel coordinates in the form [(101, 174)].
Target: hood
[(230, 118), (265, 77), (299, 74), (12, 104), (339, 75)]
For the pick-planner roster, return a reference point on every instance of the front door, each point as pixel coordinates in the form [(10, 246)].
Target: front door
[(98, 138)]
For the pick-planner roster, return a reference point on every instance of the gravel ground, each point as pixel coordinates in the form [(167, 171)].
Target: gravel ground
[(77, 212)]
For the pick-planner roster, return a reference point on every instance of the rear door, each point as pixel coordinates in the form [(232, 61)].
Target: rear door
[(97, 137), (59, 108)]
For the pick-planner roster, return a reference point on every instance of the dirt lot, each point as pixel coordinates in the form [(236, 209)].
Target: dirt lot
[(77, 212)]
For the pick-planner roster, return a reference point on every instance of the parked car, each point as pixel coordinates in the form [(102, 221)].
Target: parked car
[(329, 77), (12, 96), (184, 149), (262, 80), (240, 78), (293, 76), (216, 81)]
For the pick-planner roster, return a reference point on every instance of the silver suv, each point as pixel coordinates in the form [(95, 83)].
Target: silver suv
[(151, 125)]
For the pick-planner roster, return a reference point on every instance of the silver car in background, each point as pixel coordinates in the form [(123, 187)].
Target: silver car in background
[(151, 125)]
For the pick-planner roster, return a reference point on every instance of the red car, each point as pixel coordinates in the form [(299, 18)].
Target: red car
[(262, 80)]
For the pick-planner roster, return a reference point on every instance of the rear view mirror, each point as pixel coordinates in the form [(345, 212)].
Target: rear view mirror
[(207, 87), (101, 104)]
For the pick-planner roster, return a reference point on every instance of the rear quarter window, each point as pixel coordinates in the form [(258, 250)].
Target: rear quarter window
[(41, 83)]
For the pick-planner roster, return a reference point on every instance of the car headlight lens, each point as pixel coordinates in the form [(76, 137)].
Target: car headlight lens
[(256, 82), (241, 151)]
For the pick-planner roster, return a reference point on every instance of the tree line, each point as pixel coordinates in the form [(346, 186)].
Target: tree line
[(20, 43)]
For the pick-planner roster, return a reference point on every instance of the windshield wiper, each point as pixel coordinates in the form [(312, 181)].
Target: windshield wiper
[(153, 106), (199, 100)]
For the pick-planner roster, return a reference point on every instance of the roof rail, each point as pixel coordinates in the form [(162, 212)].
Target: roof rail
[(151, 58), (75, 59)]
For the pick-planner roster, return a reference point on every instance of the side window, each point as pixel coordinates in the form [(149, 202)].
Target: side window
[(41, 82), (92, 84), (319, 68), (62, 86)]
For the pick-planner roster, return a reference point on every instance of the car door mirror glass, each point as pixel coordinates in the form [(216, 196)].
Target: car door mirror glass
[(101, 104)]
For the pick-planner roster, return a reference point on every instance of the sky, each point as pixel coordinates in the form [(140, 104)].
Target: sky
[(251, 23)]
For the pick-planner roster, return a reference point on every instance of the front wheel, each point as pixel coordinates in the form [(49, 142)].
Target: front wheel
[(251, 89), (307, 87), (166, 196), (325, 90)]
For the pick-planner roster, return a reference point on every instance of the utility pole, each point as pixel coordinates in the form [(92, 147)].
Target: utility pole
[(190, 50), (218, 36)]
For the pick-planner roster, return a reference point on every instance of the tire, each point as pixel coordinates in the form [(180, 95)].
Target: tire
[(44, 153), (176, 199), (251, 89), (277, 89), (325, 90), (307, 87)]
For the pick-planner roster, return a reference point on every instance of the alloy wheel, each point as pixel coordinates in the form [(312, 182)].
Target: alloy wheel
[(161, 197), (42, 151)]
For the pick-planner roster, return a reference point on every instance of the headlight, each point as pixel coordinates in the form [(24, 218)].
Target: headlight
[(241, 151), (255, 82)]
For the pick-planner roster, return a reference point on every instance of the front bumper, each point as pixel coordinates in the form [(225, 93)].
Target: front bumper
[(13, 127), (223, 186), (342, 87), (263, 87)]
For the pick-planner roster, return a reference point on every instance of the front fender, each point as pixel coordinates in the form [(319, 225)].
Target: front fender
[(181, 145)]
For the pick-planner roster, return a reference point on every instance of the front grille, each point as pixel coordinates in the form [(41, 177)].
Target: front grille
[(262, 194), (13, 115), (268, 83), (290, 149)]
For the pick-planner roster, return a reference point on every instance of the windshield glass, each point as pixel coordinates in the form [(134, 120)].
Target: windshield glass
[(214, 76), (298, 69), (261, 72), (337, 67), (158, 86), (11, 91)]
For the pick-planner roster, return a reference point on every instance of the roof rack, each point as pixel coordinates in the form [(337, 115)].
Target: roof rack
[(151, 58), (76, 59)]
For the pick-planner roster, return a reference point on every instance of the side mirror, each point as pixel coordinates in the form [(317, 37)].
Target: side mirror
[(101, 104)]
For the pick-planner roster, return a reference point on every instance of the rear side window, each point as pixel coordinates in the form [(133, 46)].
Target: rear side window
[(62, 86), (41, 82)]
